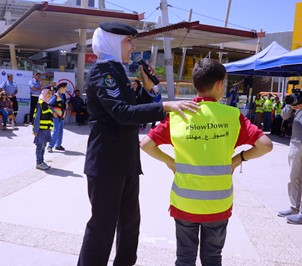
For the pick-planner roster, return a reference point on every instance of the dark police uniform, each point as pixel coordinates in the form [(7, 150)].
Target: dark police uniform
[(113, 163)]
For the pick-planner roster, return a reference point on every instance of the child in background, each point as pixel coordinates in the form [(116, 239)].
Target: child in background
[(42, 126), (58, 103)]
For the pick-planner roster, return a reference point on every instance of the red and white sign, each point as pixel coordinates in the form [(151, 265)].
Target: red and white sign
[(90, 58)]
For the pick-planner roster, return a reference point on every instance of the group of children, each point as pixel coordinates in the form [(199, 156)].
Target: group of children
[(267, 111), (49, 115)]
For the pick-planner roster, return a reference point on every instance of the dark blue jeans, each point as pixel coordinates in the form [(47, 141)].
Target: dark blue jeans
[(212, 239), (40, 150), (267, 121)]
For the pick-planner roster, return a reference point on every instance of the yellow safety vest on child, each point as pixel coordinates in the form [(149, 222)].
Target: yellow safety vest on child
[(204, 145)]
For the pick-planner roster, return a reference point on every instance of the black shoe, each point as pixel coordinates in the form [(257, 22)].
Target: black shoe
[(60, 148)]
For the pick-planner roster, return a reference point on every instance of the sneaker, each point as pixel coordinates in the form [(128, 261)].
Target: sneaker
[(60, 148), (49, 149), (287, 212), (42, 166), (294, 219)]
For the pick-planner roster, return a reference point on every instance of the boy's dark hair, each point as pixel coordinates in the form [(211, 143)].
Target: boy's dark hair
[(205, 73)]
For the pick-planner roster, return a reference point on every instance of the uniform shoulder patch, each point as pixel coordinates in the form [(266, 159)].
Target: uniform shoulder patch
[(110, 84), (109, 81)]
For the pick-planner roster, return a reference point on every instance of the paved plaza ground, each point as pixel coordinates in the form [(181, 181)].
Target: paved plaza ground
[(43, 214)]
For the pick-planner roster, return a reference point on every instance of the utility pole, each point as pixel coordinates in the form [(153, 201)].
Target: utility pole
[(225, 25), (184, 52), (102, 4), (168, 53), (81, 53)]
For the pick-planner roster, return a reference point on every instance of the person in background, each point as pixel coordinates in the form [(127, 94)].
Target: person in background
[(277, 122), (258, 107), (136, 86), (157, 99), (79, 107), (201, 198), (11, 89), (35, 87), (267, 112), (293, 214), (42, 126), (5, 108), (232, 96), (112, 162), (58, 104)]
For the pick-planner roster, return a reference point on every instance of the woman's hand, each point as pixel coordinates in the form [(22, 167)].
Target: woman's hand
[(180, 106)]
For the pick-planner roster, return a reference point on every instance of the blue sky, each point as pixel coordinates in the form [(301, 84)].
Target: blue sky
[(269, 15)]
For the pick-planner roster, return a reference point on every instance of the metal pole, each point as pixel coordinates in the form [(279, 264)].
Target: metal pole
[(168, 52), (154, 48), (13, 57), (81, 54), (184, 51), (225, 25)]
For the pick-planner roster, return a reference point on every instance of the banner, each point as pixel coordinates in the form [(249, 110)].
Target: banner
[(69, 78)]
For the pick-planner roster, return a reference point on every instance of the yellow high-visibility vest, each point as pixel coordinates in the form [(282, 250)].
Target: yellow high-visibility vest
[(259, 107), (267, 105), (46, 118), (203, 147), (278, 108)]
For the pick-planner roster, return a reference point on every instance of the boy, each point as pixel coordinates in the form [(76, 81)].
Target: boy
[(58, 103), (202, 193)]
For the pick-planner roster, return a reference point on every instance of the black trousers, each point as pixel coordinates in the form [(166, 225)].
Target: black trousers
[(33, 104), (115, 208)]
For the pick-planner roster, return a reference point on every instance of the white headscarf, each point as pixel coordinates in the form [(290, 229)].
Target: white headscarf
[(107, 43), (43, 94)]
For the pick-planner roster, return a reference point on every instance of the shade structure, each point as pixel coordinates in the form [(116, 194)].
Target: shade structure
[(247, 66), (285, 65)]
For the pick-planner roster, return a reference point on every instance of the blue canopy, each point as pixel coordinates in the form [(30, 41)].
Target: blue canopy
[(247, 66), (285, 65)]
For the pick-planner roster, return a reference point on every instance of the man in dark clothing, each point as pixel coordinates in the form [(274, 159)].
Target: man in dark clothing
[(79, 107)]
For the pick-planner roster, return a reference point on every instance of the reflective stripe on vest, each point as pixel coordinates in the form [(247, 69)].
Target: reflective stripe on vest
[(203, 170), (203, 146), (202, 195)]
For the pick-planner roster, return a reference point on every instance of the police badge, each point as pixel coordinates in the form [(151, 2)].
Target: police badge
[(109, 81)]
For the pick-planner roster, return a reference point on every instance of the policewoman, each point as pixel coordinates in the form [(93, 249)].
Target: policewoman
[(113, 160)]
